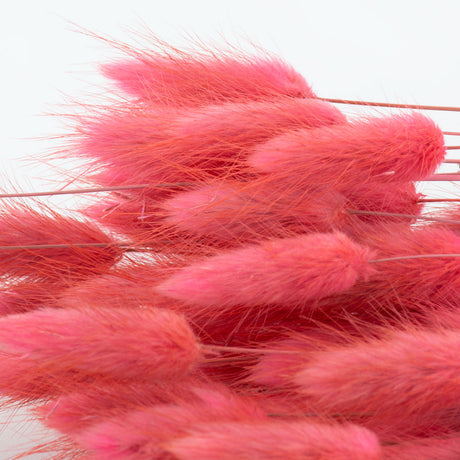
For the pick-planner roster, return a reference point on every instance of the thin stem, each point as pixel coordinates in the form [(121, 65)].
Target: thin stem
[(389, 104), (406, 216), (435, 177), (453, 147), (442, 178), (418, 256), (128, 247), (125, 246), (90, 190), (55, 246), (451, 133), (438, 200), (247, 350)]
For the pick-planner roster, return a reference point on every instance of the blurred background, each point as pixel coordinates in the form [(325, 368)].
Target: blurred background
[(392, 51)]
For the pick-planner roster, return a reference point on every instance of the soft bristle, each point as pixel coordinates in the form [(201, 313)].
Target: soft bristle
[(276, 440), (73, 345), (287, 272), (237, 212), (441, 448), (146, 432), (395, 148), (82, 249), (151, 145), (181, 79), (420, 364)]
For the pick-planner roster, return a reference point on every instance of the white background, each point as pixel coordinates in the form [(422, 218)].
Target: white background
[(395, 51)]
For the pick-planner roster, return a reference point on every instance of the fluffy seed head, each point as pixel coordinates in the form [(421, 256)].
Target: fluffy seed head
[(405, 377), (287, 272), (24, 226), (153, 146), (124, 344), (180, 79), (238, 212), (145, 432), (276, 440), (396, 148), (440, 448)]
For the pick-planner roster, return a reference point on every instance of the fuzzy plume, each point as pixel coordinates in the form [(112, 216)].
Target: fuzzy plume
[(238, 213), (25, 296), (67, 346), (418, 280), (441, 448), (287, 272), (397, 148), (177, 78), (409, 377), (78, 410), (144, 433), (77, 249), (160, 146), (276, 440)]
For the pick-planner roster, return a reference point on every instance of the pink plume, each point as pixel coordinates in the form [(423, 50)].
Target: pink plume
[(410, 376), (101, 343), (441, 448), (287, 272), (417, 280), (276, 440), (74, 412), (181, 79), (396, 148), (237, 212), (399, 198), (143, 433), (146, 145), (29, 295), (23, 226)]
